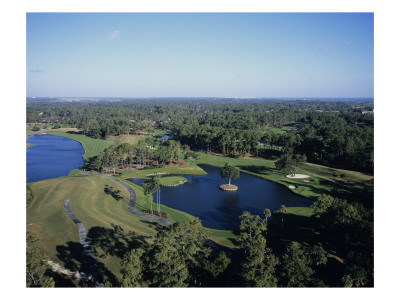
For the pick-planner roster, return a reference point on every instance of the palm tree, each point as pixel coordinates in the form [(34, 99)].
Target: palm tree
[(267, 214), (148, 189), (156, 182), (282, 210)]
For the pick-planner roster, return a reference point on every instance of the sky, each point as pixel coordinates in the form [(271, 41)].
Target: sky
[(200, 55)]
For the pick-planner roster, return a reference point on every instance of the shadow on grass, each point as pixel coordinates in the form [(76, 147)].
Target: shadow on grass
[(154, 225), (116, 194), (88, 164), (257, 169), (74, 260), (75, 132), (73, 257), (115, 242), (294, 228), (270, 154), (61, 280)]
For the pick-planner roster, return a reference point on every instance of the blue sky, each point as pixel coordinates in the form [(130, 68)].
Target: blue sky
[(200, 55)]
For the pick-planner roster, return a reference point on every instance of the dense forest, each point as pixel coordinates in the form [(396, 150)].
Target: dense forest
[(333, 133)]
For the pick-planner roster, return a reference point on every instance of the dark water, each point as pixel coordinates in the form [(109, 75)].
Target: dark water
[(51, 157), (217, 209)]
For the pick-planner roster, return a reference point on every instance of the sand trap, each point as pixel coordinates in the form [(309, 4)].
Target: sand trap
[(292, 187), (297, 176)]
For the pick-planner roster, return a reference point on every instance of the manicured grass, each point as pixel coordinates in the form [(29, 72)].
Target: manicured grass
[(130, 139), (111, 228), (298, 226), (74, 173), (65, 129), (160, 133), (31, 132), (172, 170), (346, 177), (280, 130), (172, 180), (91, 146), (317, 186)]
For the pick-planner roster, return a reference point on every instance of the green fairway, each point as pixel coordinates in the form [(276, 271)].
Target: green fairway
[(91, 146), (319, 183), (279, 130), (172, 180), (111, 228), (171, 170)]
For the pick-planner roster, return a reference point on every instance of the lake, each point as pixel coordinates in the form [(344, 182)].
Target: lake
[(201, 197), (51, 157)]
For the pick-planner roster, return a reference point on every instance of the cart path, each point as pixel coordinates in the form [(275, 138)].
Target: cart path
[(83, 240), (132, 202), (132, 209)]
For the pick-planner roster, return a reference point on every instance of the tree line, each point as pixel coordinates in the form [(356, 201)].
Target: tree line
[(179, 256), (147, 152), (333, 133)]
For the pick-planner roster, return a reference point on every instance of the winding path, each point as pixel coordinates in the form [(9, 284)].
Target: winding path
[(132, 202), (83, 240), (132, 209)]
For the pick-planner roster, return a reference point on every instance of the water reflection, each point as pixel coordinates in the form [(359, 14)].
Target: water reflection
[(201, 197)]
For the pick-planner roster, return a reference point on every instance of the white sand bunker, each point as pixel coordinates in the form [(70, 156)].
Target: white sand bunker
[(295, 176), (292, 187)]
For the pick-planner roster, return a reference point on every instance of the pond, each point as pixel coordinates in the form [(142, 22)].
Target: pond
[(201, 197), (165, 137), (51, 157)]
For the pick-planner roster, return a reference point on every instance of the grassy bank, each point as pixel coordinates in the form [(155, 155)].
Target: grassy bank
[(91, 146), (223, 237), (111, 228), (172, 180), (323, 180), (170, 170)]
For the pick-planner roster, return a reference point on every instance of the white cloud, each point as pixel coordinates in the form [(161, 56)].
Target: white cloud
[(322, 47), (113, 35)]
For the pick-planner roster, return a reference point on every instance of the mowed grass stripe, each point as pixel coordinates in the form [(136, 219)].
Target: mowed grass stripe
[(96, 210)]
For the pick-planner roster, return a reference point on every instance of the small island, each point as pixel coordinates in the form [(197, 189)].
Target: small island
[(229, 172), (172, 180), (228, 187)]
